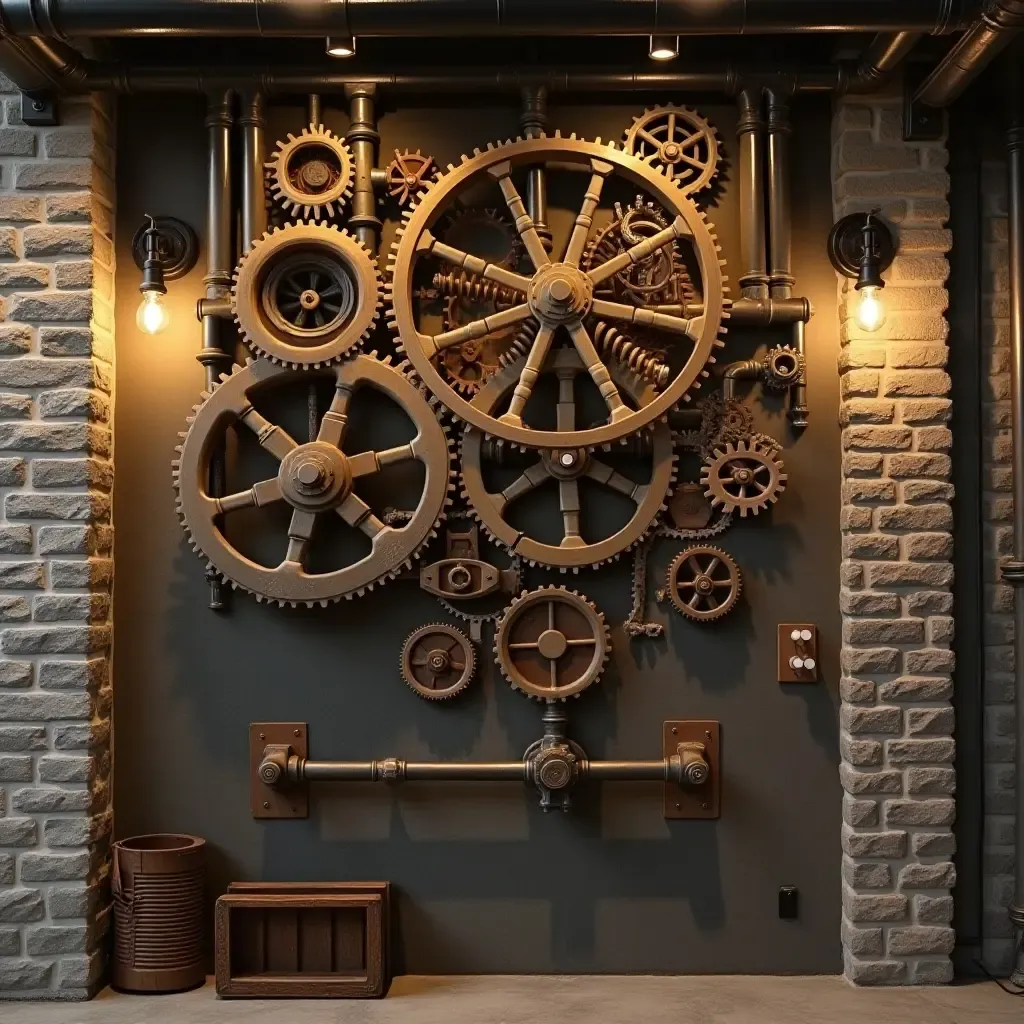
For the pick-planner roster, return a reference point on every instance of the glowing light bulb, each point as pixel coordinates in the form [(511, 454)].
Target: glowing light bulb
[(664, 47), (870, 309), (152, 317)]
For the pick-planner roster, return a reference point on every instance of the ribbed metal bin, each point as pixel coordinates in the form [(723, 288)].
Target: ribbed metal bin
[(159, 884)]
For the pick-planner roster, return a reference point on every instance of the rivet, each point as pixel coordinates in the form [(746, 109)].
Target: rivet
[(266, 805), (263, 735), (38, 105), (675, 731), (297, 732), (704, 807), (679, 807), (707, 732)]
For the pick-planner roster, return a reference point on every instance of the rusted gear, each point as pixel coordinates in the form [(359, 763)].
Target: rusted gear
[(306, 295), (311, 172), (559, 295), (552, 643), (314, 479), (737, 421), (704, 583), (678, 142), (783, 367), (407, 174), (745, 476), (566, 467), (438, 661)]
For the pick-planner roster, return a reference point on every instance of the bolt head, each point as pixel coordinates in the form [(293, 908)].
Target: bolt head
[(266, 805), (705, 807), (263, 735)]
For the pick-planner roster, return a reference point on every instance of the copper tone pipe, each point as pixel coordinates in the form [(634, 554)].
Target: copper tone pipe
[(363, 139)]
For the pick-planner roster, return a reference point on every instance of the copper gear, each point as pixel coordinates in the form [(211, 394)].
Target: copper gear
[(704, 583), (311, 172), (552, 643), (783, 367), (559, 295), (678, 142), (408, 173), (306, 295), (313, 478), (566, 468), (438, 661), (746, 476)]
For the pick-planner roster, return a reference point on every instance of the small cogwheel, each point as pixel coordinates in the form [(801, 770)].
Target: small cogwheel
[(407, 174), (783, 367), (745, 476), (311, 173), (438, 661), (703, 583), (679, 143)]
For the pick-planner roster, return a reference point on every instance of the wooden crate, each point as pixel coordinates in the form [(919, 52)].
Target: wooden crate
[(293, 943)]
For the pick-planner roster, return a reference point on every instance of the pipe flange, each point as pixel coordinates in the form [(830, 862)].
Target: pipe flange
[(1012, 573)]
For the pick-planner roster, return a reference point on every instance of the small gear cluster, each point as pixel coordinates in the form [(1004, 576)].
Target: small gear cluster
[(311, 173)]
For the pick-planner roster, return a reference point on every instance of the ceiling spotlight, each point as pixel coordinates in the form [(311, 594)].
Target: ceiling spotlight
[(664, 47), (341, 46)]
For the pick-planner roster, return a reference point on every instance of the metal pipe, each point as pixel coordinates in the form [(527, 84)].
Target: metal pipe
[(363, 139), (745, 369), (254, 200), (316, 113), (1013, 572), (533, 122), (1000, 22), (887, 51), (396, 770), (219, 262), (753, 276), (798, 413), (454, 18), (780, 222), (626, 771)]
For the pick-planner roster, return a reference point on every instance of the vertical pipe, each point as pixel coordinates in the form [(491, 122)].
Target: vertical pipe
[(753, 259), (316, 115), (533, 122), (363, 138), (254, 199), (219, 262), (1014, 572)]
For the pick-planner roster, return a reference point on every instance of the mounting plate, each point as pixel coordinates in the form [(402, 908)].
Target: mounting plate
[(846, 244), (39, 109), (267, 801), (179, 246), (684, 802), (801, 649)]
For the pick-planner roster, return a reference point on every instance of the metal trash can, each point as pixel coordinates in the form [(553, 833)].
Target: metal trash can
[(159, 884)]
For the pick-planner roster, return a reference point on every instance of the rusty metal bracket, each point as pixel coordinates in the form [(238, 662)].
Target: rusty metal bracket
[(273, 795), (690, 741)]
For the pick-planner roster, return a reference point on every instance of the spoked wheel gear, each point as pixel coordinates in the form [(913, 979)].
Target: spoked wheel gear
[(306, 295), (746, 476), (438, 661), (566, 468), (314, 479), (552, 643), (311, 172), (407, 174), (558, 295), (678, 142), (704, 583)]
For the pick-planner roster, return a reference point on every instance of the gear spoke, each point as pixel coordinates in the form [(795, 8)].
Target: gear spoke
[(476, 329), (299, 532), (640, 253), (602, 473), (357, 513), (368, 463), (528, 481), (598, 371), (523, 221), (335, 421), (473, 264), (569, 503), (528, 377), (691, 328), (266, 492), (585, 218), (270, 436)]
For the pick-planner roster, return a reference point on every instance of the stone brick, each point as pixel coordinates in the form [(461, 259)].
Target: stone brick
[(934, 781), (73, 675), (863, 941), (874, 972), (920, 939), (873, 908), (861, 753), (71, 206), (22, 737), (18, 832), (63, 768), (15, 674), (927, 876), (24, 275), (21, 209), (82, 900), (883, 631), (21, 905), (6, 869), (933, 909), (870, 875), (14, 609), (934, 844), (931, 751), (49, 800), (47, 176), (15, 769), (52, 940), (920, 812), (10, 941), (25, 975), (860, 813), (43, 707), (44, 240), (49, 306), (21, 575), (930, 721), (880, 720), (54, 867), (71, 472), (55, 640), (871, 660), (12, 474), (931, 972), (13, 407), (888, 845)]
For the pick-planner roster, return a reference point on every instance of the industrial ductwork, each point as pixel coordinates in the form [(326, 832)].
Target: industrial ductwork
[(64, 19)]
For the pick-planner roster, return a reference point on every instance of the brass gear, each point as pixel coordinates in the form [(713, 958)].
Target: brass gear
[(306, 295), (552, 643), (566, 468), (313, 478), (746, 476), (678, 142), (438, 661), (704, 583), (559, 294), (311, 172), (407, 174), (783, 367)]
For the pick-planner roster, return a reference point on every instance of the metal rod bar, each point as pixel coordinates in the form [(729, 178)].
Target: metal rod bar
[(363, 139), (316, 111), (753, 276), (254, 201), (431, 18), (219, 262), (626, 771), (780, 226), (395, 770)]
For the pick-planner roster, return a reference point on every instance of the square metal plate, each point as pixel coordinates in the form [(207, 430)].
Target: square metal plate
[(694, 801), (266, 801)]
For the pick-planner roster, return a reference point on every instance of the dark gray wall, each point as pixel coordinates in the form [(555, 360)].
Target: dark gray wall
[(487, 883)]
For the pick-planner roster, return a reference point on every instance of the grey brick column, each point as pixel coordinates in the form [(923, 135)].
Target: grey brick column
[(56, 378), (897, 723)]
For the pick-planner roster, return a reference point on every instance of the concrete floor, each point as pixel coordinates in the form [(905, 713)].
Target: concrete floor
[(564, 1000)]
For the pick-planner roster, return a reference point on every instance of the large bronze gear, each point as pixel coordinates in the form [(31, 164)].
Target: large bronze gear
[(552, 643), (306, 295), (703, 583), (678, 142), (438, 661), (311, 172), (559, 295), (566, 468), (313, 478), (746, 476)]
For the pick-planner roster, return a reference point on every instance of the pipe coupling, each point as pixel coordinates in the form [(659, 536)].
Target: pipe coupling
[(1013, 573), (690, 766)]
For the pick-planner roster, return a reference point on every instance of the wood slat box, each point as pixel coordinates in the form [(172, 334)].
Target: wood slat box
[(303, 940)]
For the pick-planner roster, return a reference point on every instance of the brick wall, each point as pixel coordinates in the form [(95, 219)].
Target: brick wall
[(56, 377), (896, 720), (997, 933)]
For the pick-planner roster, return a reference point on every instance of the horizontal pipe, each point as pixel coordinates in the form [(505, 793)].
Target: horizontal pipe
[(626, 771), (65, 19), (394, 770)]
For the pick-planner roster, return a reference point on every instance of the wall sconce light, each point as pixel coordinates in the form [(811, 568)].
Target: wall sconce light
[(341, 46), (861, 246), (164, 249), (664, 47)]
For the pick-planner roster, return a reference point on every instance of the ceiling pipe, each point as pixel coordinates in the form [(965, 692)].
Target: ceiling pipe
[(64, 19), (885, 54), (1000, 22)]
